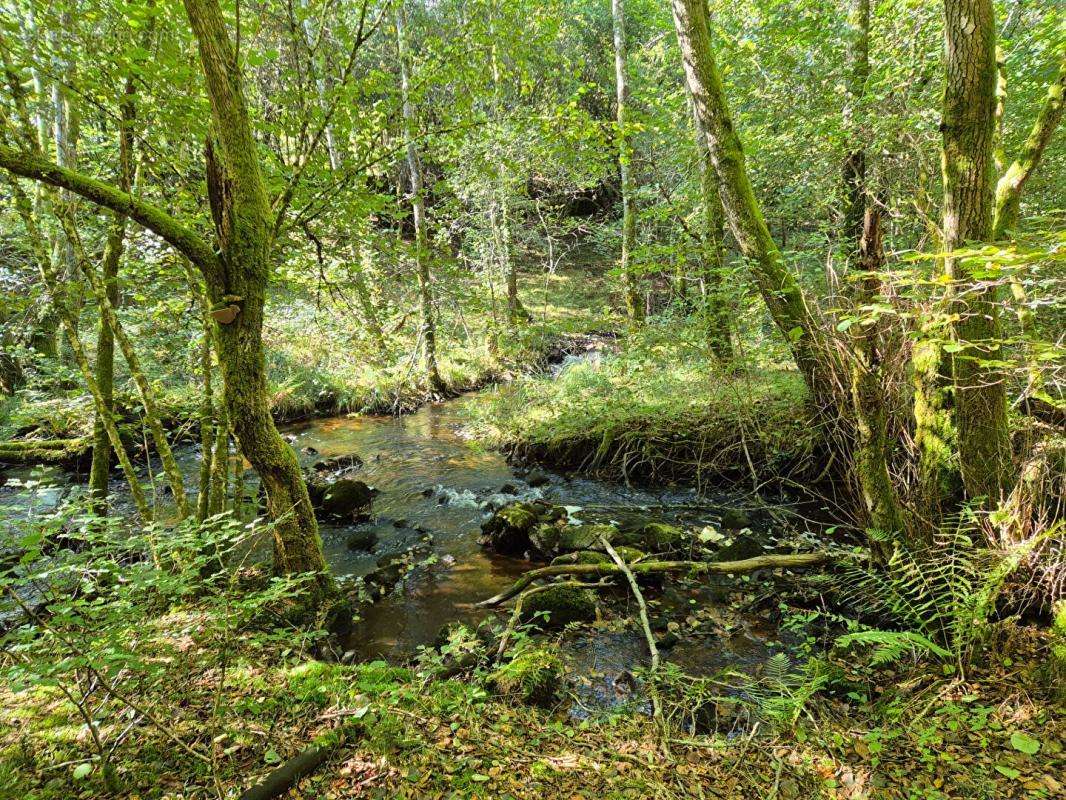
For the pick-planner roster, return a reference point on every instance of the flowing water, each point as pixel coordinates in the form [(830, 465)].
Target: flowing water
[(437, 487)]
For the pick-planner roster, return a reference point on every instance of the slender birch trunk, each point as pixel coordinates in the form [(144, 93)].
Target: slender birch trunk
[(418, 208), (630, 287)]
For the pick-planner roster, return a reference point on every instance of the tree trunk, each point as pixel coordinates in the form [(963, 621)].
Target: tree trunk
[(634, 302), (968, 137), (777, 286), (716, 306), (855, 200), (44, 262), (873, 448), (418, 209), (1009, 188), (243, 225)]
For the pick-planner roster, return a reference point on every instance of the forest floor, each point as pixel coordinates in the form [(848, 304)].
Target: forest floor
[(246, 704)]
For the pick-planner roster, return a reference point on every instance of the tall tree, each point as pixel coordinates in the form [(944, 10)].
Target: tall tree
[(777, 286), (968, 124), (236, 267), (634, 301), (418, 207)]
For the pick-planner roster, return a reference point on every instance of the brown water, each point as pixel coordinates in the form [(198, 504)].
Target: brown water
[(436, 483)]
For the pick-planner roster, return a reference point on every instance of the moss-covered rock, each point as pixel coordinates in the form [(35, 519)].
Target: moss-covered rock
[(581, 557), (740, 548), (558, 606), (534, 676), (585, 537), (508, 530), (658, 537), (346, 499)]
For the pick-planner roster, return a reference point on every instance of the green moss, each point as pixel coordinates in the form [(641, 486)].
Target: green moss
[(534, 676), (558, 606)]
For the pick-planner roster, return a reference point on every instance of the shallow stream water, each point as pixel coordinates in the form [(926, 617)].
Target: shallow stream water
[(437, 486)]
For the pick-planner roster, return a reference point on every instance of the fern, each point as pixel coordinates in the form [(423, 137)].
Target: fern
[(939, 598), (891, 646)]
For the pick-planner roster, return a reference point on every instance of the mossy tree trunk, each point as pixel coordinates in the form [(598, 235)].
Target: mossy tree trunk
[(777, 286), (712, 231), (630, 287), (418, 208), (873, 447), (152, 416), (854, 171), (244, 232), (968, 137), (70, 328), (100, 471)]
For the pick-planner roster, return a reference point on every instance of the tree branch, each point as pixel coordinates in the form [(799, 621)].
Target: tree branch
[(182, 238), (652, 567)]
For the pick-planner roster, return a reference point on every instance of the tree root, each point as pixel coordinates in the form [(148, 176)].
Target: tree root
[(655, 567)]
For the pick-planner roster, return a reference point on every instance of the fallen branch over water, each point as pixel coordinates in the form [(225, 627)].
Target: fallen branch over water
[(655, 567), (43, 451)]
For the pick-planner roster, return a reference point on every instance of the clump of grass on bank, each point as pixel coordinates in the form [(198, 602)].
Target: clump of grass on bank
[(661, 408)]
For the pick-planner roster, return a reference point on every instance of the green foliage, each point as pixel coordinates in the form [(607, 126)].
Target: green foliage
[(941, 595)]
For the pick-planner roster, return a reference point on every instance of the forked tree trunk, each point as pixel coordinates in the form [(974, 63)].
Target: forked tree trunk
[(968, 138), (418, 209), (634, 302)]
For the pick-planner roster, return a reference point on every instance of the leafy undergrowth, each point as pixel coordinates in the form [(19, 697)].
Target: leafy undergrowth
[(661, 408), (244, 709), (321, 361)]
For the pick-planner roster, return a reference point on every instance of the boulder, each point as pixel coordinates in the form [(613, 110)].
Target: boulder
[(362, 540), (585, 537), (735, 519), (558, 606), (338, 463), (742, 546), (582, 557), (533, 676), (507, 531), (658, 537), (347, 499), (537, 477)]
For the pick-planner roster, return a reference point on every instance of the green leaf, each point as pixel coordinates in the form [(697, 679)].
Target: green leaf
[(82, 771), (1010, 772), (1024, 743)]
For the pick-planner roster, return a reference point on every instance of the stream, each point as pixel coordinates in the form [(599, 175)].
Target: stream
[(436, 487)]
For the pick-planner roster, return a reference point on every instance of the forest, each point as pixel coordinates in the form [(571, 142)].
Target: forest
[(532, 399)]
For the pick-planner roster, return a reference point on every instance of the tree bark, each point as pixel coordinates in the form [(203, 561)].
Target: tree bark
[(244, 230), (1010, 186), (418, 209), (968, 137), (854, 173), (712, 230), (873, 448), (777, 286), (630, 287)]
